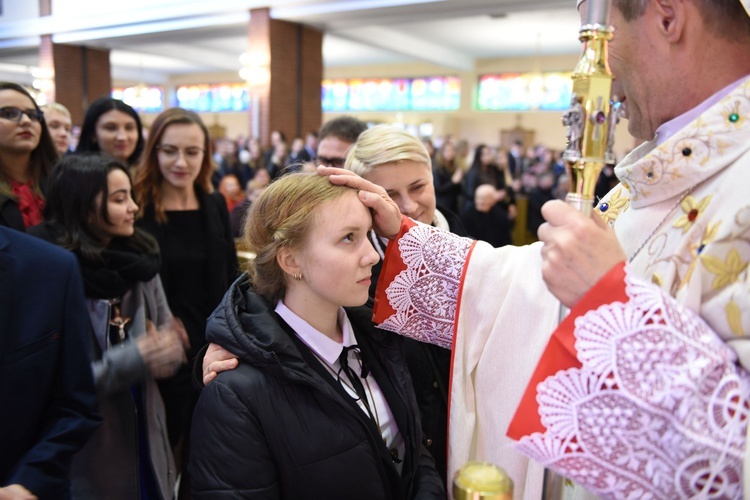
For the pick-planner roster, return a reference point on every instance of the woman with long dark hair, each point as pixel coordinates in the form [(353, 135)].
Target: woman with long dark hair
[(113, 127), (191, 224), (90, 211), (27, 155)]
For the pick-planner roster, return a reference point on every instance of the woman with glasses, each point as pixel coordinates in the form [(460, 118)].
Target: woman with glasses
[(27, 155), (191, 224), (113, 127), (90, 211)]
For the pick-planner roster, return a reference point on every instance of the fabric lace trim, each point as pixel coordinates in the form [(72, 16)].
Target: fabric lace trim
[(658, 409), (425, 294)]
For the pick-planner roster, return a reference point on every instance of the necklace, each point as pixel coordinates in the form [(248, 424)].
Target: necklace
[(682, 197)]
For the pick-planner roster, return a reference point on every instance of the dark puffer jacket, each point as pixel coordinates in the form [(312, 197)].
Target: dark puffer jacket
[(278, 426)]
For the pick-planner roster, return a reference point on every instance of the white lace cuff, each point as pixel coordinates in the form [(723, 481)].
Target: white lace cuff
[(658, 409)]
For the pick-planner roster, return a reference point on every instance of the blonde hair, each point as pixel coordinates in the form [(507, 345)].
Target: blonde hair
[(282, 217), (56, 106), (384, 144)]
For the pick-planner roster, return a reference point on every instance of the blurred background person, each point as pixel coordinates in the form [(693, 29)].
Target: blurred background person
[(253, 189), (91, 212), (538, 196), (488, 219), (190, 222), (113, 127), (27, 155), (60, 125), (483, 170), (311, 146), (277, 162), (447, 177), (231, 189)]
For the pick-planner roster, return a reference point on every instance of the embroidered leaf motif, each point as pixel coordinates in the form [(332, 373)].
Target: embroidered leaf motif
[(692, 210), (617, 203), (696, 249), (657, 280), (727, 272), (734, 318)]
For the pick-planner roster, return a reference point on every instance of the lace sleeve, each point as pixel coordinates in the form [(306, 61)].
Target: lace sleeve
[(657, 409), (420, 286)]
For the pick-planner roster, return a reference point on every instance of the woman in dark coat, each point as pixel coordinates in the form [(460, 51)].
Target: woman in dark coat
[(199, 262), (321, 404)]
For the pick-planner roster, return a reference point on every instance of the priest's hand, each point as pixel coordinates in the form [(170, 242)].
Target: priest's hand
[(386, 217), (578, 251)]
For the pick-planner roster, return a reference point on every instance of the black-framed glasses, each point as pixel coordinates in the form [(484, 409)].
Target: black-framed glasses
[(330, 162), (14, 114)]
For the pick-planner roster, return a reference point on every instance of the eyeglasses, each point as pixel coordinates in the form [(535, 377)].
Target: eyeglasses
[(14, 114), (172, 153), (331, 162)]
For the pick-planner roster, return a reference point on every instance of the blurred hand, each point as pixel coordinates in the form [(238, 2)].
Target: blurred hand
[(578, 251), (500, 195), (217, 360), (386, 217), (178, 326), (162, 350), (457, 176), (512, 212), (16, 492)]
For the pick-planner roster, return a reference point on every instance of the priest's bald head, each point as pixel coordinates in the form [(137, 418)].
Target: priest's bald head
[(668, 56)]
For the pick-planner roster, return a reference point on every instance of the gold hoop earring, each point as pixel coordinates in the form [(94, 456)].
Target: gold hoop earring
[(297, 277)]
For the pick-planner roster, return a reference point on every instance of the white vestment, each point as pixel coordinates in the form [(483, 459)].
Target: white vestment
[(681, 212)]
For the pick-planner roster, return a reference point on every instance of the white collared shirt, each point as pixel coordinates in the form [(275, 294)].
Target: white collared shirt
[(329, 351)]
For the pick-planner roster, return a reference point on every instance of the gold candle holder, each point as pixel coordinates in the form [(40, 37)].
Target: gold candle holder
[(482, 481)]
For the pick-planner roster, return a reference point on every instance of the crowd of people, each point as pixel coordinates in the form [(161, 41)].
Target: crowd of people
[(139, 361)]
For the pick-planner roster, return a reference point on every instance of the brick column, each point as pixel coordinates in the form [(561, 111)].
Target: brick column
[(290, 100), (82, 75)]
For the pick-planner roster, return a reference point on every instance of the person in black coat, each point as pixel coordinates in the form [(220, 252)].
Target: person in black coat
[(198, 257), (47, 393), (399, 162), (321, 404)]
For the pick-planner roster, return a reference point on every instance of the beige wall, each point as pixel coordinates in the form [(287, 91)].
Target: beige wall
[(466, 123)]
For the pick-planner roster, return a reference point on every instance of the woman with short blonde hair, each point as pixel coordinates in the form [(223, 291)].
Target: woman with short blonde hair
[(383, 144)]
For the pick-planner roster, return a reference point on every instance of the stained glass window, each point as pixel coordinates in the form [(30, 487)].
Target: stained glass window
[(392, 94), (142, 98), (524, 91)]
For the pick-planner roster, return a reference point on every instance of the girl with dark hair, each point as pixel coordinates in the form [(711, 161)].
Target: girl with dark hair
[(191, 225), (27, 155), (113, 127), (90, 211)]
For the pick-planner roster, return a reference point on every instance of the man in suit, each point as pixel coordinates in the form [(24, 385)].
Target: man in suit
[(47, 393)]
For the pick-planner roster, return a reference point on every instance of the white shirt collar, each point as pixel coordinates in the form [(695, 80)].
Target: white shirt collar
[(318, 342)]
